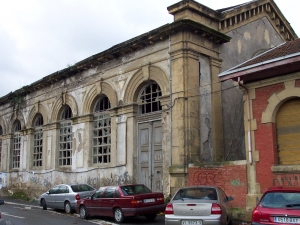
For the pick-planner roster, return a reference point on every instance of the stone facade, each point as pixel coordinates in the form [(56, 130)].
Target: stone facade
[(141, 111)]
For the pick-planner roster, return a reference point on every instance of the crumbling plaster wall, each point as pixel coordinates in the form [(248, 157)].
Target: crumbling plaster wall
[(117, 74), (247, 41)]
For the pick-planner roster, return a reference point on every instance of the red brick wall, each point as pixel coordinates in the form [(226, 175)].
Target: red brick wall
[(265, 136), (231, 178)]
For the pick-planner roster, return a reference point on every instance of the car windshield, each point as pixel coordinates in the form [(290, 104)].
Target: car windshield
[(281, 200), (135, 189), (81, 188), (196, 193)]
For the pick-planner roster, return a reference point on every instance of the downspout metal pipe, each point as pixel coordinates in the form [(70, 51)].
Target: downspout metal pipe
[(248, 120)]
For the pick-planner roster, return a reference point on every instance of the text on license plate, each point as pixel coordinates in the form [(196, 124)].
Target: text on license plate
[(149, 200), (191, 222), (287, 220)]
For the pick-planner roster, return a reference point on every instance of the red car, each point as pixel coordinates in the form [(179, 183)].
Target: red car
[(122, 201), (278, 205)]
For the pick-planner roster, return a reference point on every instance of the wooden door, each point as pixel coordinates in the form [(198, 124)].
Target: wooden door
[(150, 154)]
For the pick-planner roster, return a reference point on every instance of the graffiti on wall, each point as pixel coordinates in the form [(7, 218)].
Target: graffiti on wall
[(208, 178), (117, 179), (237, 183), (292, 180), (40, 181), (2, 180)]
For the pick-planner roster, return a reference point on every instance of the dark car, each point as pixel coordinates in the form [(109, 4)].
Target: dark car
[(65, 196), (199, 205), (122, 201), (278, 205)]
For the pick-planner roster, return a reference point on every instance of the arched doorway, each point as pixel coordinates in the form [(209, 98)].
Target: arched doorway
[(150, 137)]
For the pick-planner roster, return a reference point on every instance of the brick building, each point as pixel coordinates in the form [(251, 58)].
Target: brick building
[(271, 84)]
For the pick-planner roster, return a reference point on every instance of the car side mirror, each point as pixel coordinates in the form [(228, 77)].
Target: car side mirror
[(230, 198), (1, 202)]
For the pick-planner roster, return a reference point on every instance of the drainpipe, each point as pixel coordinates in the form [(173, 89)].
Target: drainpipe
[(170, 65), (249, 120)]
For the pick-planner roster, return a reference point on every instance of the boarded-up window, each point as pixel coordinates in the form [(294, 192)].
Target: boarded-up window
[(288, 133)]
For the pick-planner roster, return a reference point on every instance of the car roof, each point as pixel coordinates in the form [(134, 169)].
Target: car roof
[(283, 189)]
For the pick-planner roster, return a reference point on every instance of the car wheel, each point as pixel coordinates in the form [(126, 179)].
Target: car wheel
[(83, 213), (68, 208), (118, 215), (151, 217), (44, 204)]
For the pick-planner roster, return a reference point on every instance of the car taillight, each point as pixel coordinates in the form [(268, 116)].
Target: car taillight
[(160, 199), (135, 202), (256, 215), (216, 209), (77, 197), (169, 209)]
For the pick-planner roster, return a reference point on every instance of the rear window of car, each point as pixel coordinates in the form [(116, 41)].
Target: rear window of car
[(196, 193), (135, 189), (281, 200), (81, 188)]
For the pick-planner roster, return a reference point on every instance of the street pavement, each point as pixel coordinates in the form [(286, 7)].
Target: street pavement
[(35, 204)]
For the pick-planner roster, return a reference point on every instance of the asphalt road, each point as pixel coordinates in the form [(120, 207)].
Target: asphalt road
[(27, 213)]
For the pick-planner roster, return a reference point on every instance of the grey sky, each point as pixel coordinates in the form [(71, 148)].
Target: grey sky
[(40, 37)]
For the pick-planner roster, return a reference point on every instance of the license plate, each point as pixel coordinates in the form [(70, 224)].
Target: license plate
[(149, 200), (286, 220), (191, 222)]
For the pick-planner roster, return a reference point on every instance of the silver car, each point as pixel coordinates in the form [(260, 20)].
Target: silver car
[(201, 205), (65, 196)]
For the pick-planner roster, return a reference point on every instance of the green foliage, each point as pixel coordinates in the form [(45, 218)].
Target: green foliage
[(21, 195)]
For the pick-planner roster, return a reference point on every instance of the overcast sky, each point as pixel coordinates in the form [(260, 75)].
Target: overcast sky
[(40, 37)]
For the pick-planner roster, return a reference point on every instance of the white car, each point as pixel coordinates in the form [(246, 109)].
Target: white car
[(65, 196), (199, 205)]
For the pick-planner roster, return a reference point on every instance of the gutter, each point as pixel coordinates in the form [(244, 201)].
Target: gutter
[(248, 120)]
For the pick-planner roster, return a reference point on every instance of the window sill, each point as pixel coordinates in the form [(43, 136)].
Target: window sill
[(286, 169)]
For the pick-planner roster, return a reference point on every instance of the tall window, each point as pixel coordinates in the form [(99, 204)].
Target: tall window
[(1, 133), (102, 132), (148, 99), (65, 138), (38, 141), (16, 145)]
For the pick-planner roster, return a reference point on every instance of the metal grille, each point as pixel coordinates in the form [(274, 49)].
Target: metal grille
[(38, 148), (149, 99), (16, 145), (16, 151), (38, 142), (65, 144), (102, 139)]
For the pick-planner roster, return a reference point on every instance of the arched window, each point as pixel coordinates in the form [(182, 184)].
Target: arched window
[(38, 141), (65, 137), (16, 145), (149, 98), (102, 132), (1, 133), (288, 133)]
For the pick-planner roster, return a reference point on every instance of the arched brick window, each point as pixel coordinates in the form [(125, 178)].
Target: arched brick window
[(288, 133), (65, 137), (38, 141), (16, 154), (102, 132), (149, 98)]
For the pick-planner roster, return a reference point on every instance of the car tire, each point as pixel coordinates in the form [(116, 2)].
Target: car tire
[(151, 217), (44, 204), (68, 208), (83, 213), (118, 215)]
